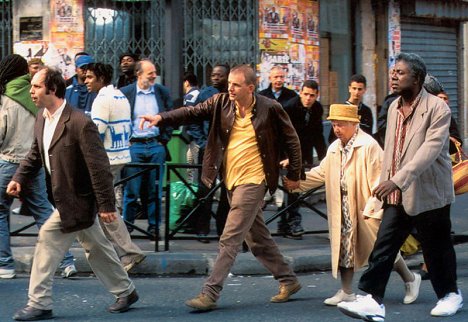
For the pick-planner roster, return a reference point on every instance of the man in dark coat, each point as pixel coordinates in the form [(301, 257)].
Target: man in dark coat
[(67, 144)]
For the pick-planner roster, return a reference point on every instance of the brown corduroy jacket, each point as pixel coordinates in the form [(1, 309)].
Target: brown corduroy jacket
[(80, 182)]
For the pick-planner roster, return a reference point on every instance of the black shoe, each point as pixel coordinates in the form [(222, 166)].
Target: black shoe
[(152, 231), (295, 230), (202, 238), (282, 228), (29, 313), (122, 304)]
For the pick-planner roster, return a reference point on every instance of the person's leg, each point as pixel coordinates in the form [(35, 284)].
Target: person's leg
[(104, 261), (36, 203), (116, 231), (155, 153), (346, 275), (265, 249), (394, 229), (7, 170), (51, 246), (295, 229), (245, 200), (222, 211), (132, 187), (434, 229)]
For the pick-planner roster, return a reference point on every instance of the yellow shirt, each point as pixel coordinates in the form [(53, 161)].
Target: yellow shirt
[(242, 160)]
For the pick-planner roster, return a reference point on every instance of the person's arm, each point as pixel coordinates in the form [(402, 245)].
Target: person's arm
[(435, 137), (98, 166), (100, 114)]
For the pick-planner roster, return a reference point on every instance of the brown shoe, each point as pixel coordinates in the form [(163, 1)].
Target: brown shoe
[(122, 304), (201, 302), (29, 313), (285, 291), (131, 261)]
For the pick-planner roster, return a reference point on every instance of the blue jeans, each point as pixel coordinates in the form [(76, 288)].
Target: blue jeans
[(150, 152), (34, 202)]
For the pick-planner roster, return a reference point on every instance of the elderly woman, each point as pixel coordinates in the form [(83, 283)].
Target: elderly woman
[(350, 170)]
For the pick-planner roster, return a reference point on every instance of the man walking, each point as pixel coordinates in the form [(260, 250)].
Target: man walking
[(67, 144), (17, 117), (147, 145), (111, 114), (306, 114), (243, 146), (417, 189)]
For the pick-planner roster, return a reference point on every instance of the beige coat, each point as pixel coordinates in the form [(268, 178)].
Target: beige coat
[(362, 173), (425, 175)]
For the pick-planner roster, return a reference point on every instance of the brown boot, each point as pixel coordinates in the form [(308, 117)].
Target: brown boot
[(285, 291), (201, 302)]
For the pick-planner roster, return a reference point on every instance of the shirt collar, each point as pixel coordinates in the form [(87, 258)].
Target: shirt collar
[(51, 117), (144, 91)]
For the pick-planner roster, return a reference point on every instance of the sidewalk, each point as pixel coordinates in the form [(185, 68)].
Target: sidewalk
[(191, 257)]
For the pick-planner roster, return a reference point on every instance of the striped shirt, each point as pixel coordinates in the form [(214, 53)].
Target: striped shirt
[(402, 126)]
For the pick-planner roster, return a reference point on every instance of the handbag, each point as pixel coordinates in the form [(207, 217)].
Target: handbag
[(460, 169)]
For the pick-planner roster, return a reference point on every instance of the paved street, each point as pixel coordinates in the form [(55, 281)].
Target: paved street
[(244, 299)]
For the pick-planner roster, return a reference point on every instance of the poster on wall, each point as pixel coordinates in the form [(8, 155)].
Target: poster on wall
[(394, 32), (67, 32), (289, 37), (65, 40)]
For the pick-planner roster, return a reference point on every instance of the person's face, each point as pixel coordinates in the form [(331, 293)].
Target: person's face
[(308, 96), (33, 69), (39, 93), (127, 64), (344, 130), (93, 84), (277, 79), (219, 78), (81, 72), (444, 97), (402, 79), (356, 92), (147, 75), (238, 90)]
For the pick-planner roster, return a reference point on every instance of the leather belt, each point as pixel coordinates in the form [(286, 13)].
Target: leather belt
[(143, 140)]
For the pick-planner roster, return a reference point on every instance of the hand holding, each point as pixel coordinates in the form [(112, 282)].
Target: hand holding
[(152, 119), (384, 189)]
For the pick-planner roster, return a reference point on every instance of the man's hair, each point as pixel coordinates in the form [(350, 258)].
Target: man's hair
[(226, 67), (277, 67), (432, 85), (129, 54), (139, 65), (191, 78), (11, 67), (54, 81), (102, 71), (416, 65), (310, 84), (248, 72), (358, 78)]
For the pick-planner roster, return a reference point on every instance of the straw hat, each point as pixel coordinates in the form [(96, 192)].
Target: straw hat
[(344, 112)]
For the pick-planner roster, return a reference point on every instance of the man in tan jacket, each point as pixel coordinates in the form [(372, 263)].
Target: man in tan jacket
[(417, 189)]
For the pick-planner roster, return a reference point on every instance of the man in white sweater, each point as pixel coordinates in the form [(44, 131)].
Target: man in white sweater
[(111, 113)]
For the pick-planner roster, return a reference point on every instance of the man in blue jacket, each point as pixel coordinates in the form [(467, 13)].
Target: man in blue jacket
[(77, 94), (147, 145)]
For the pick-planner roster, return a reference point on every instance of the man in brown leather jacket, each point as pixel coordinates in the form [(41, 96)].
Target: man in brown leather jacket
[(247, 133)]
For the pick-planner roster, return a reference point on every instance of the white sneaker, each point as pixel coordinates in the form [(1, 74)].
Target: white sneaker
[(340, 296), (69, 271), (448, 305), (365, 308), (412, 289), (7, 273)]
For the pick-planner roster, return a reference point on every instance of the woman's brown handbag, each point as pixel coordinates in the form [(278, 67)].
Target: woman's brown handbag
[(460, 169)]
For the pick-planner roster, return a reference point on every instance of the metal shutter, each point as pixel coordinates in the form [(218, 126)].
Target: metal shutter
[(437, 45)]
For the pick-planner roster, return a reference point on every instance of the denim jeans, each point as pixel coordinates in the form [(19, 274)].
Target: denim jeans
[(150, 152), (34, 202)]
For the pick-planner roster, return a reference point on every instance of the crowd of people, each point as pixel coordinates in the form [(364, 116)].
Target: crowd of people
[(75, 140)]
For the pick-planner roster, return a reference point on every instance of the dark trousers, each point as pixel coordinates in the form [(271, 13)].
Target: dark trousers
[(433, 229)]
